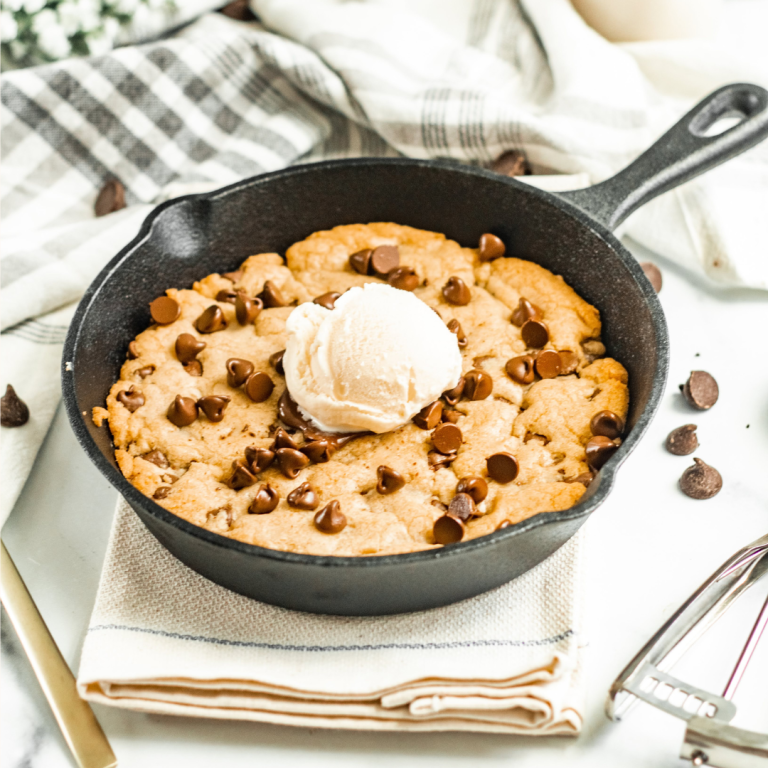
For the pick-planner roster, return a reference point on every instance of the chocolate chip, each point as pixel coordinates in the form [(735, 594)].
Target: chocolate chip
[(548, 364), (303, 497), (701, 390), (195, 368), (330, 519), (235, 276), (476, 487), (213, 406), (511, 163), (327, 300), (455, 327), (569, 361), (462, 506), (653, 273), (319, 451), (247, 310), (585, 478), (164, 310), (389, 480), (291, 461), (439, 460), (161, 492), (13, 410), (525, 311), (147, 370), (242, 476), (182, 411), (535, 333), (276, 361), (131, 399), (110, 199), (599, 449), (607, 424), (133, 351), (238, 371), (452, 396), (258, 459), (490, 247), (259, 387), (361, 260), (520, 369), (384, 259), (477, 385), (271, 296), (450, 415), (212, 320), (447, 438), (448, 530), (456, 292), (503, 524), (593, 348), (227, 296), (239, 10), (502, 467), (701, 481), (429, 416), (284, 440), (158, 458), (188, 347), (404, 279), (265, 500), (683, 440)]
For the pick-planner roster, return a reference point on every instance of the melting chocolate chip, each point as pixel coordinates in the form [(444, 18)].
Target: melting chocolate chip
[(476, 487), (258, 459), (455, 291), (438, 460), (235, 276), (271, 296), (429, 416), (701, 390), (548, 364), (384, 259), (701, 481), (158, 458), (182, 411), (520, 369), (111, 198), (147, 370), (327, 300), (303, 497), (227, 296), (599, 450), (452, 396), (585, 478), (164, 310), (133, 351), (477, 385), (212, 320), (14, 411), (502, 467), (284, 440), (569, 361), (361, 260), (238, 371), (242, 476), (490, 247), (330, 519), (131, 399), (319, 451), (511, 163), (447, 438), (291, 461), (213, 406), (276, 361), (265, 500), (259, 387), (188, 347), (607, 424), (389, 480), (535, 333), (247, 310), (455, 327), (195, 368), (525, 311), (404, 279), (161, 492), (462, 506), (503, 524), (653, 273), (683, 440), (448, 530), (450, 415)]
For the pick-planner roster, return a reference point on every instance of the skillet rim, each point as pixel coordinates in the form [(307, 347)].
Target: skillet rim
[(597, 492)]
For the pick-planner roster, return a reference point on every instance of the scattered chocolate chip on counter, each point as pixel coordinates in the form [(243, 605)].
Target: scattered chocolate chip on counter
[(330, 519), (111, 198), (653, 273), (491, 247), (701, 390), (165, 310), (502, 467), (389, 480), (13, 410), (683, 440), (701, 481)]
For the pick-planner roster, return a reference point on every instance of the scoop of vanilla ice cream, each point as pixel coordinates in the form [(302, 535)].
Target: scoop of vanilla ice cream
[(371, 363)]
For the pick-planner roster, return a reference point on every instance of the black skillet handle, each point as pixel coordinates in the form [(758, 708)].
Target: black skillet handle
[(683, 152)]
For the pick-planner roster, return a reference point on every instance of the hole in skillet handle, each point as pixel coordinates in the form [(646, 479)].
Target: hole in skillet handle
[(724, 113)]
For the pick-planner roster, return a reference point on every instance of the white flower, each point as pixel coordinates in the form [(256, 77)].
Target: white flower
[(111, 28), (127, 7), (8, 26), (43, 20), (12, 5), (158, 5), (90, 14), (18, 50), (99, 44), (33, 6), (53, 42), (69, 18)]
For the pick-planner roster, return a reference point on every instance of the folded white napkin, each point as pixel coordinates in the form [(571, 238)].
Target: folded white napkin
[(164, 639)]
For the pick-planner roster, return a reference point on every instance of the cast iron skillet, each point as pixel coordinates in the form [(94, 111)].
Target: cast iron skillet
[(570, 234)]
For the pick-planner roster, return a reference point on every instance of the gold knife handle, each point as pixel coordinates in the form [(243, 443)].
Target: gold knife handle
[(78, 724)]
